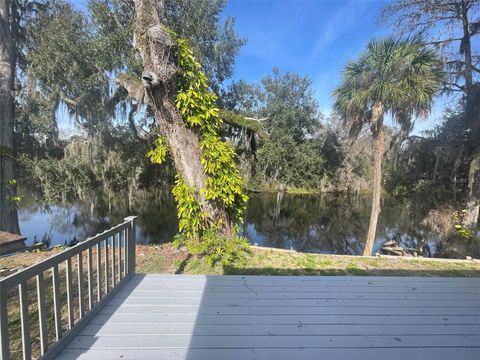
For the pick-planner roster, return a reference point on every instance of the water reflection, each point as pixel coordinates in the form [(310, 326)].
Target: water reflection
[(338, 224), (321, 223), (67, 223), (307, 223), (334, 224)]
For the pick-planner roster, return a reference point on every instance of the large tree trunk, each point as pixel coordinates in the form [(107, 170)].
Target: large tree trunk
[(466, 47), (8, 211), (157, 49), (379, 141), (473, 201)]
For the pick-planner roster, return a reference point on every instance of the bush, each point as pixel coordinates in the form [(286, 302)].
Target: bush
[(216, 247)]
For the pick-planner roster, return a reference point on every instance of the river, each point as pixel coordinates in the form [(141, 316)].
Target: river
[(328, 223)]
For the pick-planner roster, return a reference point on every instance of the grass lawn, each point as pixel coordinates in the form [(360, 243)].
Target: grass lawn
[(166, 259)]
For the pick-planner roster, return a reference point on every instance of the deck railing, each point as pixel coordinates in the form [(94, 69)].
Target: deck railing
[(109, 259)]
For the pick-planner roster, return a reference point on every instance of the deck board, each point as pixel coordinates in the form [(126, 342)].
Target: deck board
[(260, 317), (127, 319)]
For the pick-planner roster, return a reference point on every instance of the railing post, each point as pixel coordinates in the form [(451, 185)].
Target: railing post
[(4, 340), (56, 302), (42, 317), (107, 266), (99, 272), (130, 243), (25, 321), (69, 293), (90, 279), (81, 298)]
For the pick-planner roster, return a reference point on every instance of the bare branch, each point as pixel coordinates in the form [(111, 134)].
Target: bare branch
[(440, 42), (257, 119), (65, 98)]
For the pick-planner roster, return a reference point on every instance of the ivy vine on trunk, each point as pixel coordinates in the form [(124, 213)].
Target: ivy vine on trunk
[(208, 187)]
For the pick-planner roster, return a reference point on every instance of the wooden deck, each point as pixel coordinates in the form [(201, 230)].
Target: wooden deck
[(295, 318)]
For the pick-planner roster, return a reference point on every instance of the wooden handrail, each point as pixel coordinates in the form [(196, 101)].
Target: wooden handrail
[(121, 248)]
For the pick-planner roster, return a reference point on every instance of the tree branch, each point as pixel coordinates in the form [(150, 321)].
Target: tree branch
[(257, 119), (444, 41), (65, 98)]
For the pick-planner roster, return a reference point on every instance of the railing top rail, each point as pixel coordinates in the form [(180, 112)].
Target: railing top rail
[(14, 279)]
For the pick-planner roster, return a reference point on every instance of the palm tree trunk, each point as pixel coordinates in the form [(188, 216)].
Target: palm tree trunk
[(473, 202), (8, 211), (379, 141)]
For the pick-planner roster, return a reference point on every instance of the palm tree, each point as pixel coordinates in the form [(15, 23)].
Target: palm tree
[(398, 77)]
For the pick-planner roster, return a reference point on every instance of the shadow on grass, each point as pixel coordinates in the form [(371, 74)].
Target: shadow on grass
[(183, 264), (349, 271)]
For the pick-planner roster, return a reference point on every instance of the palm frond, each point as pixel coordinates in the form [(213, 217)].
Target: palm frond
[(402, 74)]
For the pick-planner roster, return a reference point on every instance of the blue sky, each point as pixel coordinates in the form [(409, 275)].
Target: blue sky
[(313, 38), (310, 37)]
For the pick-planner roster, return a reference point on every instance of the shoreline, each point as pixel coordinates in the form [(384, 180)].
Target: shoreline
[(377, 256)]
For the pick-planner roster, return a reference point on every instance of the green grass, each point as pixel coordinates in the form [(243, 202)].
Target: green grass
[(273, 262), (165, 259)]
